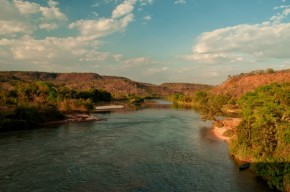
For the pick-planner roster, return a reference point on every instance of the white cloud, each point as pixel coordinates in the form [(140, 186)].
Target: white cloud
[(52, 12), (98, 28), (117, 57), (101, 27), (121, 16), (146, 2), (126, 20), (179, 2), (242, 43), (12, 23), (26, 7), (48, 26), (157, 70), (60, 51), (123, 9), (282, 7), (29, 14), (97, 4), (9, 12), (147, 18), (109, 1), (95, 14), (135, 61), (12, 27), (22, 18)]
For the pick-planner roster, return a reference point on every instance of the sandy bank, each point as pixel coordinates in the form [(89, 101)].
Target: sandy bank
[(109, 107), (228, 124), (219, 133)]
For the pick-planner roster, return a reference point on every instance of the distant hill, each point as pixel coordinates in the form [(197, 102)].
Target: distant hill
[(120, 87), (243, 83), (186, 88)]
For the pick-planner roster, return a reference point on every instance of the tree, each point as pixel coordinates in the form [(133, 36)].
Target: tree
[(269, 70), (89, 106), (209, 105), (264, 133)]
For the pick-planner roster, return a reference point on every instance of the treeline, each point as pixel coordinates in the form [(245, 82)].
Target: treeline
[(263, 136), (27, 104), (209, 105)]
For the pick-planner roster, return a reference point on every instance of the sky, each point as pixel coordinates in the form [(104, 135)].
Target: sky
[(153, 41)]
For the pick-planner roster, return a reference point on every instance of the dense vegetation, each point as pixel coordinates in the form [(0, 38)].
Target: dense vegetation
[(209, 105), (26, 104), (263, 136)]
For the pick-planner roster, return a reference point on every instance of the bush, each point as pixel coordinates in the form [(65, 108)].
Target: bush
[(50, 113), (270, 70), (12, 125), (28, 113)]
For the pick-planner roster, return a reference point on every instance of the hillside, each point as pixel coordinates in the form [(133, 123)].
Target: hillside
[(120, 87), (243, 83), (186, 88)]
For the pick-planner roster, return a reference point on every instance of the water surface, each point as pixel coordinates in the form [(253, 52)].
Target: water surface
[(154, 149)]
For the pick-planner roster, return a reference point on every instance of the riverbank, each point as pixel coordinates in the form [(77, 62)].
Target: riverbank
[(73, 118), (35, 120), (226, 130), (227, 124)]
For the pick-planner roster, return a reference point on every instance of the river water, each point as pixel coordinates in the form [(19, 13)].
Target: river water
[(154, 149)]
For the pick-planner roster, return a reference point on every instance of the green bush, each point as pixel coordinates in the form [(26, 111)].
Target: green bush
[(264, 133)]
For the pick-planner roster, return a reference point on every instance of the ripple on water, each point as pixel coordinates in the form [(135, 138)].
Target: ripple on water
[(145, 150)]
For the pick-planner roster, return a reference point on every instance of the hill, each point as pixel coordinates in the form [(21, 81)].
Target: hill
[(243, 83), (185, 88), (119, 87)]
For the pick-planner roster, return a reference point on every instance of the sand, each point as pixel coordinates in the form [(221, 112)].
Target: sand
[(229, 123), (219, 133)]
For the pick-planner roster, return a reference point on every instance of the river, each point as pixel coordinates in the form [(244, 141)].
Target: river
[(152, 149)]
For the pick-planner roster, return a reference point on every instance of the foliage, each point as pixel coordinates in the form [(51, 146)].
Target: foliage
[(28, 113), (136, 100), (263, 134), (269, 70), (209, 105), (34, 102)]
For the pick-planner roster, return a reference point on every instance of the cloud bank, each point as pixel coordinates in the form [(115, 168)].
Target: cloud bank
[(20, 20), (244, 43)]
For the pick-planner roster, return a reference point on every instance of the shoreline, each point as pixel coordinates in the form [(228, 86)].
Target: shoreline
[(228, 124), (73, 118), (219, 133)]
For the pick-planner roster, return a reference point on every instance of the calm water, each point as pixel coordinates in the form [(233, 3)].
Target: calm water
[(154, 149)]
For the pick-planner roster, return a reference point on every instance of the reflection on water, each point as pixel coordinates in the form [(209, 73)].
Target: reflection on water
[(145, 150)]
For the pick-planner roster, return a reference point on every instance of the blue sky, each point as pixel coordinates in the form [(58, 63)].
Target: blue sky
[(155, 41)]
